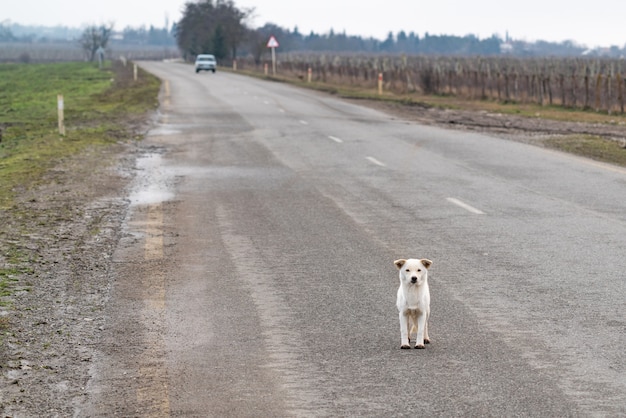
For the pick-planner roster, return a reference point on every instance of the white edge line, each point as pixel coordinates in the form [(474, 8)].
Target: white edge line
[(465, 206), (304, 122), (375, 161), (334, 138)]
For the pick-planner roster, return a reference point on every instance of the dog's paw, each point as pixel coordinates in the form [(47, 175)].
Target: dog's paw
[(404, 346), (426, 341), (419, 346)]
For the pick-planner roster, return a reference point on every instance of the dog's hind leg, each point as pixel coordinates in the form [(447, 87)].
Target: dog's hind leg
[(426, 337), (413, 331)]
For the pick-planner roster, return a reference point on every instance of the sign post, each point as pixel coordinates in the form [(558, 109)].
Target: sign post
[(273, 43)]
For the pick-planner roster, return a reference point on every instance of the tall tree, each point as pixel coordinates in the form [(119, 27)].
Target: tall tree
[(220, 46), (211, 27), (231, 20)]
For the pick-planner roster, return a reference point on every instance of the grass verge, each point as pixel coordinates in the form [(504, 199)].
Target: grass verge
[(102, 107), (95, 102), (595, 147)]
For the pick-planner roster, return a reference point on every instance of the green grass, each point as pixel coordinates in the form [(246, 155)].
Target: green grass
[(99, 105), (94, 101), (595, 147), (7, 278)]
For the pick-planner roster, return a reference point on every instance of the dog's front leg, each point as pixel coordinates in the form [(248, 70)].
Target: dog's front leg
[(404, 331), (421, 328)]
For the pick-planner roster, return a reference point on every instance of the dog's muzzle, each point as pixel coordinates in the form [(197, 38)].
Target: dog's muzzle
[(413, 279)]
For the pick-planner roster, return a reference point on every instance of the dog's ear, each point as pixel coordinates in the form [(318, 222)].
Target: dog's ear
[(426, 262), (399, 263)]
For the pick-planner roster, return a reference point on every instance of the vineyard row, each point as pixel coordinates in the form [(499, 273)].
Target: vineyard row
[(569, 82)]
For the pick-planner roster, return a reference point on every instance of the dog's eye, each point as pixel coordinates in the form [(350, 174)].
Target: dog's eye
[(418, 270), (408, 270)]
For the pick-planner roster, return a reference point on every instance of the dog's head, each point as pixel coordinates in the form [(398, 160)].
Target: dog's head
[(413, 271)]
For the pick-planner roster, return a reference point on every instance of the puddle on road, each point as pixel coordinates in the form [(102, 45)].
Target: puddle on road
[(164, 130), (155, 180), (152, 184), (150, 196)]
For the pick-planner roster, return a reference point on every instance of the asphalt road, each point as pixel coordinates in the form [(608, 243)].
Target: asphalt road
[(256, 277)]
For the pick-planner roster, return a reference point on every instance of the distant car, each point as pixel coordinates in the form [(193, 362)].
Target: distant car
[(205, 62)]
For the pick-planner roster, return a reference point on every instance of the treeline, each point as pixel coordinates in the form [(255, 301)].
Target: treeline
[(15, 33), (151, 36), (219, 26), (413, 44)]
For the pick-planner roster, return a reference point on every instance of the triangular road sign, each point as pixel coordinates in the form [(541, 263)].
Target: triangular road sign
[(272, 43)]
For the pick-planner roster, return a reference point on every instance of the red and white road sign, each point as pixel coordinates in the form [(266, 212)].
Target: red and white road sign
[(272, 43)]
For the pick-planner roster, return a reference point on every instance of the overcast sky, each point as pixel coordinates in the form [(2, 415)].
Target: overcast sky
[(595, 23)]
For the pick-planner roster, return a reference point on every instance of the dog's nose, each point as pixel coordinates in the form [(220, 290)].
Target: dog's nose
[(413, 279)]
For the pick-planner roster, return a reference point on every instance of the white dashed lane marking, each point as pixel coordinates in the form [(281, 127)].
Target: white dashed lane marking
[(374, 161), (465, 206)]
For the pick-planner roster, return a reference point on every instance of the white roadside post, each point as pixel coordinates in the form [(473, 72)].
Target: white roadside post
[(134, 72), (60, 112), (380, 83), (100, 53), (273, 44)]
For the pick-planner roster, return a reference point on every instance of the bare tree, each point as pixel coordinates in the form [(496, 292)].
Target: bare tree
[(95, 37)]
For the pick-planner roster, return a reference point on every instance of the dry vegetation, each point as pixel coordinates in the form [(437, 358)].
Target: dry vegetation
[(572, 83)]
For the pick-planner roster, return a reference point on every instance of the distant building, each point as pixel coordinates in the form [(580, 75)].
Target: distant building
[(506, 48)]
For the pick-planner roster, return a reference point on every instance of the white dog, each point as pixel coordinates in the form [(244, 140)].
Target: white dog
[(413, 300)]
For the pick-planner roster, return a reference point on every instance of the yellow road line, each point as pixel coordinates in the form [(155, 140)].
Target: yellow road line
[(152, 364), (153, 248)]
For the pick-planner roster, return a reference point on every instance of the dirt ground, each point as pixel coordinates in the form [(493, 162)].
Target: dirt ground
[(66, 231), (518, 128)]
